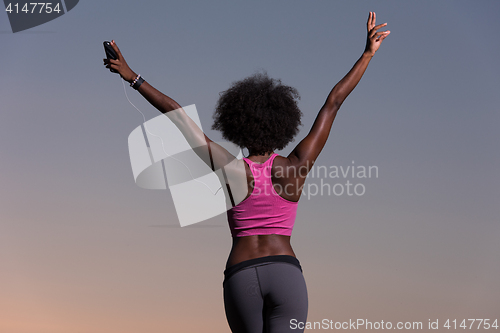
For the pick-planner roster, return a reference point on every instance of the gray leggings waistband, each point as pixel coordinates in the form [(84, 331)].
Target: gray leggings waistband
[(231, 270)]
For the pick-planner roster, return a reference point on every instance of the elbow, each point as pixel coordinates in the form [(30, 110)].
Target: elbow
[(333, 105)]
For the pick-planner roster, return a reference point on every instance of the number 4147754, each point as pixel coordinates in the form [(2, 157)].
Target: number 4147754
[(27, 10)]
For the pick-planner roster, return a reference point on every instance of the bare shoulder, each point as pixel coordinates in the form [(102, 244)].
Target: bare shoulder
[(282, 161), (288, 178), (236, 166), (284, 167)]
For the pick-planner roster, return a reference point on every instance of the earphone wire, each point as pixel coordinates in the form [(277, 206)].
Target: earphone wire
[(162, 145)]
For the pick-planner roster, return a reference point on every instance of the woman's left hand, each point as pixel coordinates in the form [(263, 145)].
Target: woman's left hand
[(374, 38), (120, 65)]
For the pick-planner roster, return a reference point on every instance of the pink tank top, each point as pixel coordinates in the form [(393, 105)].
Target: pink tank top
[(264, 212)]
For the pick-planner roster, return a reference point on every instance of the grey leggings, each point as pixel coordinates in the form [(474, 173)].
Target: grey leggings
[(263, 295)]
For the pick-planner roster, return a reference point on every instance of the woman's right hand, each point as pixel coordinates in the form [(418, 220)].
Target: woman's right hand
[(374, 38), (120, 65)]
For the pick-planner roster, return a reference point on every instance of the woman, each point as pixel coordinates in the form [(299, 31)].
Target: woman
[(264, 289)]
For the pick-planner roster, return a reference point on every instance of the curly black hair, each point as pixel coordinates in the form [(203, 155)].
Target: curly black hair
[(258, 113)]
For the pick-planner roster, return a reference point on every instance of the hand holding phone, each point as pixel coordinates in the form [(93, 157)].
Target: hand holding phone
[(119, 64), (110, 53)]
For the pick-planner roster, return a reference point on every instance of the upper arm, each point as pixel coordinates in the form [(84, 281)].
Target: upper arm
[(218, 155), (213, 154), (307, 151)]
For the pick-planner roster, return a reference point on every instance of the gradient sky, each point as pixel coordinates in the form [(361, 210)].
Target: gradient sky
[(83, 249)]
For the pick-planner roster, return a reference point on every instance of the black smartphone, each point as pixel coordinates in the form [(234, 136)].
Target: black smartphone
[(110, 53)]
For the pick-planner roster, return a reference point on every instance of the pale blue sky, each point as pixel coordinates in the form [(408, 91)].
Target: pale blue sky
[(82, 243)]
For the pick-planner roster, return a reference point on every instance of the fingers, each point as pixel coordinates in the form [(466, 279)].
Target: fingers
[(117, 50), (371, 20), (112, 66), (380, 36), (386, 33), (374, 30), (107, 61)]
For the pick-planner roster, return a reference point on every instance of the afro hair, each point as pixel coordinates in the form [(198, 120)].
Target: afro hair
[(258, 113)]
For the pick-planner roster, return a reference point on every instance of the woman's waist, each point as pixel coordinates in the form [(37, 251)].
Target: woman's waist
[(266, 260), (258, 246)]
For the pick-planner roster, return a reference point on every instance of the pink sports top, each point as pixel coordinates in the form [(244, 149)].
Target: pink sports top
[(264, 212)]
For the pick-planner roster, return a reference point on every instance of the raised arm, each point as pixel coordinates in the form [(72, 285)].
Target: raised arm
[(305, 153), (211, 153)]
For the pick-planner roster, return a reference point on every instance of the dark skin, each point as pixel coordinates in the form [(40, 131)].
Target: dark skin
[(288, 173)]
